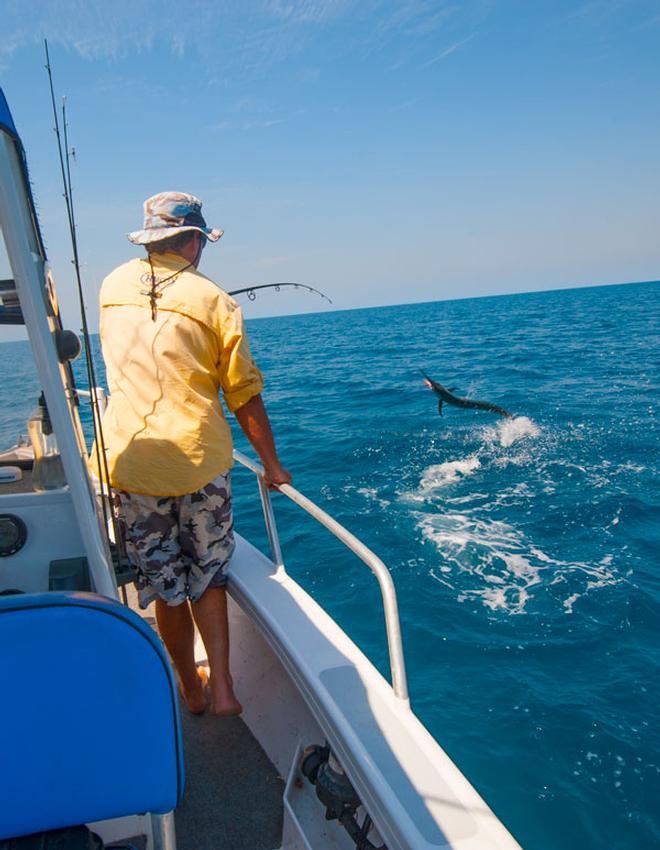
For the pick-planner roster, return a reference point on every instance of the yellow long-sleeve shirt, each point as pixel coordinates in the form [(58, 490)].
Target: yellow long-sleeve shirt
[(165, 431)]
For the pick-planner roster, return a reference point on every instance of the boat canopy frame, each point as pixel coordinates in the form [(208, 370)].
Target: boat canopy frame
[(32, 285)]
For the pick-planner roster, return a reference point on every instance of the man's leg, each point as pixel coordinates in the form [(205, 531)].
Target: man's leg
[(210, 613), (151, 528), (207, 538), (178, 633)]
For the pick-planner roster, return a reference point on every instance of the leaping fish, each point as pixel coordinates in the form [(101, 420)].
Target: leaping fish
[(467, 403)]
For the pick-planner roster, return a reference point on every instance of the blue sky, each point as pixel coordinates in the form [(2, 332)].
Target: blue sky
[(382, 151)]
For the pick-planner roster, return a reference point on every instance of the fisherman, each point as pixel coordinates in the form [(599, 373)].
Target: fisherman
[(172, 339)]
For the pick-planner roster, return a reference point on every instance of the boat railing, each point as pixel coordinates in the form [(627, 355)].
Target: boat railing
[(378, 568), (101, 396)]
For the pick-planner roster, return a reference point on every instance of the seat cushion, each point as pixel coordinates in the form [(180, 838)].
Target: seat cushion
[(89, 715)]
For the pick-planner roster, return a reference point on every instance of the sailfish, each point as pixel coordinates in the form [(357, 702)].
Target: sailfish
[(446, 395)]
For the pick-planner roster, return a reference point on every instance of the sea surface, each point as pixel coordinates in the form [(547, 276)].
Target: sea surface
[(526, 552)]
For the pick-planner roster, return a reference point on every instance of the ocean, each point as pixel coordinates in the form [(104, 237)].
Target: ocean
[(525, 552)]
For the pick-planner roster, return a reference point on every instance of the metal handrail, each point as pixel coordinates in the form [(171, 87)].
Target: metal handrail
[(378, 568), (101, 396)]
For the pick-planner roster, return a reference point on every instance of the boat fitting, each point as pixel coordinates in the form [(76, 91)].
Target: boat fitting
[(335, 791), (68, 345)]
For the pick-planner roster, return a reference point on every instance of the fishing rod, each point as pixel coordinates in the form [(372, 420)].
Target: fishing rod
[(65, 167), (252, 290)]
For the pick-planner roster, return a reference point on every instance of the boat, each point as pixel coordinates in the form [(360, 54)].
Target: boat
[(327, 754)]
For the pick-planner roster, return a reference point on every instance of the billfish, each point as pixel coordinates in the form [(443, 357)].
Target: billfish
[(467, 403)]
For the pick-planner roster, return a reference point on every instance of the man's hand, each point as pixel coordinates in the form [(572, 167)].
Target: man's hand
[(253, 419), (276, 475)]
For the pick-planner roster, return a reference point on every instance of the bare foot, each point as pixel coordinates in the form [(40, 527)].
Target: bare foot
[(223, 698), (197, 699)]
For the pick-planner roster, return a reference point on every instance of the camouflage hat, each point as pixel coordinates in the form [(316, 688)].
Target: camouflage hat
[(170, 212)]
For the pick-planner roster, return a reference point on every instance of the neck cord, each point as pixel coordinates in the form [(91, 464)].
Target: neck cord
[(155, 284)]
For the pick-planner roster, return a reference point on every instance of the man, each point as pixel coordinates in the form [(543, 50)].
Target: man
[(171, 340)]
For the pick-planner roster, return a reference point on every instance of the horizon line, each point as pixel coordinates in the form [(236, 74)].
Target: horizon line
[(459, 298), (411, 303)]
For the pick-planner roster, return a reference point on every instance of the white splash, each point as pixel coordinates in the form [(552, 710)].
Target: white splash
[(441, 474), (508, 431)]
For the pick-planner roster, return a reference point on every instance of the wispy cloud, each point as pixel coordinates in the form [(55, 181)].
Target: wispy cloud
[(305, 11), (254, 124), (449, 50), (416, 17), (98, 30), (234, 39), (598, 9), (411, 24)]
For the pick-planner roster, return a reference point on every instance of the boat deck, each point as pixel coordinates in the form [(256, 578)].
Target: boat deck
[(233, 793)]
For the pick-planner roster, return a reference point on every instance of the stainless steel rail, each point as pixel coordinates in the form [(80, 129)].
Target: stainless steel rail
[(378, 568), (101, 396)]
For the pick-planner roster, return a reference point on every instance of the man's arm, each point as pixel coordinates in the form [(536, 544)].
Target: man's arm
[(253, 419)]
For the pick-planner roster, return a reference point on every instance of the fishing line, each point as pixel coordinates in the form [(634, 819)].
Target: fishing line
[(102, 461)]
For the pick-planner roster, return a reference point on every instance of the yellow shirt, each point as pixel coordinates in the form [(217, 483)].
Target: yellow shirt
[(164, 428)]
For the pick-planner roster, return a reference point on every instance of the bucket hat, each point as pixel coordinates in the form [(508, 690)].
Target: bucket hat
[(172, 212)]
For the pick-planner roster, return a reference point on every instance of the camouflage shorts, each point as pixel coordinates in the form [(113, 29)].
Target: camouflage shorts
[(179, 545)]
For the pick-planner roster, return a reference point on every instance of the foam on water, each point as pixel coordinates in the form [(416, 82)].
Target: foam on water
[(492, 561), (442, 474), (485, 558), (371, 494), (508, 431), (439, 476)]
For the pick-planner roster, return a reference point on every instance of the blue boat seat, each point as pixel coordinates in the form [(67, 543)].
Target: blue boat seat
[(89, 715)]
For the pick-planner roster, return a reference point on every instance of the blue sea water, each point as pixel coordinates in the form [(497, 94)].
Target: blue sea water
[(526, 552)]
